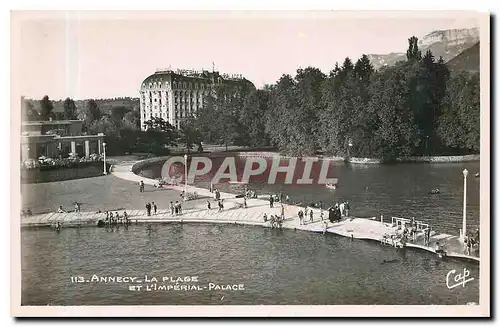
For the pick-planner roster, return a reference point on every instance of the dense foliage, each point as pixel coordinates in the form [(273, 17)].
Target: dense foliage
[(413, 108)]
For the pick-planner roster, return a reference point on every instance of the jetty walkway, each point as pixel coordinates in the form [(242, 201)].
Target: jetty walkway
[(233, 213)]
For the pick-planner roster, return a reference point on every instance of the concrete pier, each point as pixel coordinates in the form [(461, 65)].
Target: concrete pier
[(234, 213)]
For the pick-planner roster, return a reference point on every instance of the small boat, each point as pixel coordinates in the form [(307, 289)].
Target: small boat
[(476, 175), (331, 186), (435, 191)]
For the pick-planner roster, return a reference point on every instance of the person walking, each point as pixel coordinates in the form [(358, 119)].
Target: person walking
[(209, 206), (172, 208), (311, 215), (301, 217), (155, 207), (347, 207), (271, 201), (282, 211), (148, 208)]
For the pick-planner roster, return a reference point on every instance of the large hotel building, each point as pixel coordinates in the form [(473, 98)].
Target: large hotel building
[(173, 96)]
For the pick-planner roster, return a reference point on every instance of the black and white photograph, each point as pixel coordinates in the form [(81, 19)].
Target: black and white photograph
[(316, 163)]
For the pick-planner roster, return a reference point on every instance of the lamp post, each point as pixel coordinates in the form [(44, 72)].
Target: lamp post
[(464, 221), (104, 156), (185, 174), (349, 149)]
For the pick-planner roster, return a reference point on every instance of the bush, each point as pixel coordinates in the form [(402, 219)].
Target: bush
[(73, 161)]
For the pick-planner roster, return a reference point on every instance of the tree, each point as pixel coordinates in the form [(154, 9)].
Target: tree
[(28, 110), (308, 88), (158, 136), (281, 117), (117, 114), (459, 124), (396, 130), (132, 120), (69, 109), (413, 53), (189, 134), (252, 118), (217, 120), (46, 108), (90, 112)]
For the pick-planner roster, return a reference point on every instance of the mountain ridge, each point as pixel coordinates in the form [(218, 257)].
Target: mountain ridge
[(442, 43)]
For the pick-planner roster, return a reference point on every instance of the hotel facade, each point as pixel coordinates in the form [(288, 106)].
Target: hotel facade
[(174, 96)]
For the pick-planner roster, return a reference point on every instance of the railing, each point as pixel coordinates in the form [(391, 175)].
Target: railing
[(398, 221)]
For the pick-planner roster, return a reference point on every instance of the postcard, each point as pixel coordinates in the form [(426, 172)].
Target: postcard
[(250, 163)]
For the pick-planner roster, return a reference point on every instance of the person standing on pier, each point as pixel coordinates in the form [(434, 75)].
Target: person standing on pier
[(468, 245), (311, 215), (346, 208), (209, 206), (141, 186), (77, 207), (245, 202), (172, 208), (176, 208), (301, 216), (271, 201), (148, 208), (154, 207), (282, 211), (428, 235)]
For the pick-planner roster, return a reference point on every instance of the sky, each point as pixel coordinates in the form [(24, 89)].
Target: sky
[(108, 54)]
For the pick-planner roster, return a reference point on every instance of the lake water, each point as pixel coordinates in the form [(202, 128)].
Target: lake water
[(400, 190), (275, 267)]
